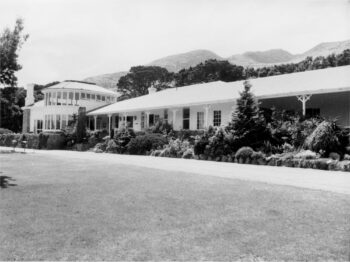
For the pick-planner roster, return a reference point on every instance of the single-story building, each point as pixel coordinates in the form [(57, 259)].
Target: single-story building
[(61, 102), (324, 92)]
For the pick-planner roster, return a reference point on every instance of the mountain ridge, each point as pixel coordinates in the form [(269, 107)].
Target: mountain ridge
[(176, 62)]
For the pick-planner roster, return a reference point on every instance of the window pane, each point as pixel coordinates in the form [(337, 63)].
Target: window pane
[(88, 96), (217, 118), (64, 95), (93, 97), (82, 95), (103, 98), (200, 120), (76, 96), (186, 113), (58, 122)]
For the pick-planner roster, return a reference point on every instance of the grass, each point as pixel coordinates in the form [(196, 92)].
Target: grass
[(77, 210)]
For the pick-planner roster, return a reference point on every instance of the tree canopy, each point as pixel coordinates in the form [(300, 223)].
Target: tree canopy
[(10, 43), (140, 78)]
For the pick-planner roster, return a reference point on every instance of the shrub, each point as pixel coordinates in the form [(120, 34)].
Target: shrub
[(244, 154), (175, 148), (161, 127), (43, 140), (334, 156), (122, 138), (5, 131), (140, 145), (306, 154), (81, 125), (188, 154), (346, 157), (325, 138), (56, 141)]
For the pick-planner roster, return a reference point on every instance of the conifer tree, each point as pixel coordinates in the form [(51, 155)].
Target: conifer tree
[(248, 124)]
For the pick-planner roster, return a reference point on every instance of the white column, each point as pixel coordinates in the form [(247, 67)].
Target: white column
[(125, 120), (147, 120), (303, 99), (95, 123), (207, 108), (174, 117)]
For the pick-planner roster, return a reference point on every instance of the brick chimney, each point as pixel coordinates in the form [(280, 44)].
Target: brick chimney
[(30, 95)]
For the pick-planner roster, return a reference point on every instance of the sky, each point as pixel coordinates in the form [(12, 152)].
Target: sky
[(75, 39)]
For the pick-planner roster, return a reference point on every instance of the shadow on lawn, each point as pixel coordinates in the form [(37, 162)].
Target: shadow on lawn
[(4, 181)]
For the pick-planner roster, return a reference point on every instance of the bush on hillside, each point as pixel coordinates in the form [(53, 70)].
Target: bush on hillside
[(5, 131), (324, 139), (244, 154), (140, 145), (122, 138), (161, 127), (56, 141)]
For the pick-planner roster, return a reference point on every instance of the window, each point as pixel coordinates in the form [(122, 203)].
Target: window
[(64, 98), (98, 97), (186, 118), (49, 99), (93, 97), (52, 122), (103, 98), (58, 122), (166, 115), (151, 120), (38, 126), (53, 101), (59, 98), (64, 121), (70, 98), (217, 118), (200, 120), (83, 96), (107, 99), (142, 120), (156, 119), (88, 96), (45, 125), (312, 112), (76, 98)]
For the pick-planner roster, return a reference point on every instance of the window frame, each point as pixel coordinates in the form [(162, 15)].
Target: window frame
[(217, 118)]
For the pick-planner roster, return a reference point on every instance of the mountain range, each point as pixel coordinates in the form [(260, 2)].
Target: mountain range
[(175, 63)]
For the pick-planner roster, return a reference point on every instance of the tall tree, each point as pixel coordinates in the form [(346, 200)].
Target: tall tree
[(248, 124), (140, 78), (10, 43)]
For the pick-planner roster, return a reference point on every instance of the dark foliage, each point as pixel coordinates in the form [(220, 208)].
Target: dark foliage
[(140, 145), (140, 78), (10, 43), (11, 101), (248, 125)]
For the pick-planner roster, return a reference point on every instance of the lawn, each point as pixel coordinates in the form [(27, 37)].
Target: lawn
[(64, 209)]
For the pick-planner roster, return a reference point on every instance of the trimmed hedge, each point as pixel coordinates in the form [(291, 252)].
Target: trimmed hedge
[(36, 141)]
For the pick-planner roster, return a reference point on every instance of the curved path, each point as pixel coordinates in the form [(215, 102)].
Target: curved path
[(334, 181)]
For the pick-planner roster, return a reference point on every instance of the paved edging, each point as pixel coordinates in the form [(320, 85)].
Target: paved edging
[(334, 181)]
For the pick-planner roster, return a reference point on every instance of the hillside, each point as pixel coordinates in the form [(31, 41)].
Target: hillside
[(107, 80), (324, 49), (175, 63), (261, 57)]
